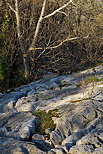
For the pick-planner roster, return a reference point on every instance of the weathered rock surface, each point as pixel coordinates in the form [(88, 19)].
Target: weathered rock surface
[(77, 113), (12, 146), (18, 125)]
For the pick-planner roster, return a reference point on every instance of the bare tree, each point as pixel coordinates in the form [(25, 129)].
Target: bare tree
[(32, 47)]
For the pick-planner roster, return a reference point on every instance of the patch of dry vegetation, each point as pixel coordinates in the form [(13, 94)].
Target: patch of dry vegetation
[(45, 120)]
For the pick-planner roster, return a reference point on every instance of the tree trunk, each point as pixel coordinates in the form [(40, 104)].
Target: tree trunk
[(22, 45)]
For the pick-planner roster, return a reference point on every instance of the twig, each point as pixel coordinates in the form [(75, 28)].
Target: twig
[(11, 7), (63, 13)]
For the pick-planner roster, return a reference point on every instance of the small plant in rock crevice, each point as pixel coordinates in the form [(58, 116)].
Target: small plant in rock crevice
[(92, 82), (90, 79), (45, 120)]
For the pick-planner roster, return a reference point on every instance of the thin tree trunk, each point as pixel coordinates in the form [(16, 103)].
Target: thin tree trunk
[(38, 25), (22, 45)]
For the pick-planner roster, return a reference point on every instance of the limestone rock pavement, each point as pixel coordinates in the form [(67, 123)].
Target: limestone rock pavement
[(76, 109)]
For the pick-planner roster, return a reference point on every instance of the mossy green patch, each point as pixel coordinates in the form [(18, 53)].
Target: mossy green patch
[(79, 100), (46, 98), (45, 120)]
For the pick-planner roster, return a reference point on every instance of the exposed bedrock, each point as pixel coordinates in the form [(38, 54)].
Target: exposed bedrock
[(56, 115)]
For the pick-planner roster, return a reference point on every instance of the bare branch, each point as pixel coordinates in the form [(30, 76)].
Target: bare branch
[(54, 12), (11, 7), (41, 54), (63, 13), (60, 44)]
